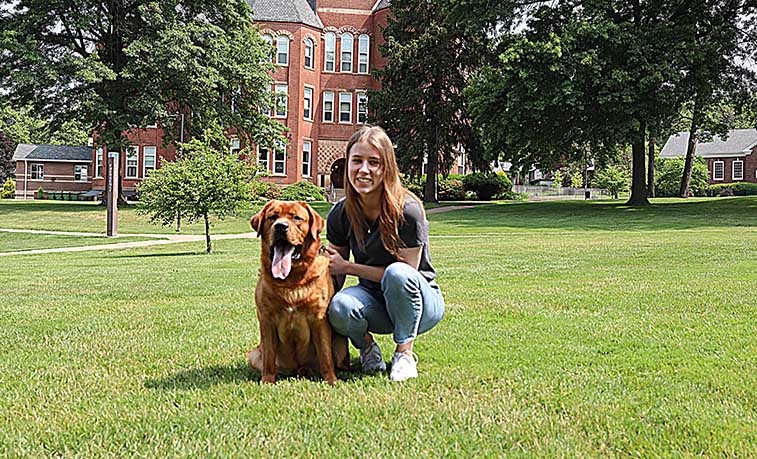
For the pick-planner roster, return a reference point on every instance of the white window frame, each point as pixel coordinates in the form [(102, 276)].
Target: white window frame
[(37, 172), (328, 97), (362, 95), (282, 50), (280, 89), (235, 145), (307, 103), (264, 162), (715, 171), (307, 157), (80, 172), (346, 48), (340, 107), (132, 154), (279, 158), (733, 169), (309, 53), (153, 153), (268, 39), (329, 53), (99, 156), (363, 54)]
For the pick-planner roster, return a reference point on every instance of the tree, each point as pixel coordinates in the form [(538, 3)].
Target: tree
[(203, 181), (613, 179), (420, 104), (7, 166), (669, 172), (118, 64)]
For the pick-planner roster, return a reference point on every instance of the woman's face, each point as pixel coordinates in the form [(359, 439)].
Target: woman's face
[(365, 169)]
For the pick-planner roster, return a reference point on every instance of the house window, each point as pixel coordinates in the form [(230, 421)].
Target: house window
[(329, 56), (309, 53), (737, 169), (38, 172), (268, 57), (282, 50), (263, 157), (718, 172), (279, 158), (234, 146), (345, 107), (308, 103), (363, 45), (282, 99), (148, 162), (306, 149), (132, 162), (346, 57), (362, 107), (328, 107), (80, 173), (99, 163)]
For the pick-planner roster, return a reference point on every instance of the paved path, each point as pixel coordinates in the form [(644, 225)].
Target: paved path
[(437, 210)]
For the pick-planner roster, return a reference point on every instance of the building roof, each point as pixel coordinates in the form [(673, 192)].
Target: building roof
[(739, 143), (31, 152), (296, 11)]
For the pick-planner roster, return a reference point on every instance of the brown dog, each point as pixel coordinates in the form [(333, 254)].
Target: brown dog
[(293, 293)]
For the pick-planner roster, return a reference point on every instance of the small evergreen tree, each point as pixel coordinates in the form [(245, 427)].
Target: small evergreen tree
[(613, 179)]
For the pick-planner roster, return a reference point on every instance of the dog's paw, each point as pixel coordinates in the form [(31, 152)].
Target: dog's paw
[(268, 379)]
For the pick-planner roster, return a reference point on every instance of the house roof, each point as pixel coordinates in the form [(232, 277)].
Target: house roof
[(31, 152), (297, 11), (739, 143)]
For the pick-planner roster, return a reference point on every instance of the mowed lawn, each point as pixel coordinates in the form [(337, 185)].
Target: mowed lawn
[(573, 329)]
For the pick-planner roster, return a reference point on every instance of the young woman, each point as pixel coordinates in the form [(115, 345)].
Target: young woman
[(384, 227)]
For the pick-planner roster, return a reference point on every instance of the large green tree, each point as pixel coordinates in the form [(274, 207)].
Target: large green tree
[(420, 104)]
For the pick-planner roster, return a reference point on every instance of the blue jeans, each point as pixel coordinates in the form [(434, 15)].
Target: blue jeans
[(407, 305)]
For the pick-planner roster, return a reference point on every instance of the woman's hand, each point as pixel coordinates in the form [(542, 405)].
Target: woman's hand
[(337, 264)]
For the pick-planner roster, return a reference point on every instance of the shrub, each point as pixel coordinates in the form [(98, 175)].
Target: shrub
[(733, 189), (303, 191), (413, 185), (9, 189), (487, 184), (40, 193), (668, 174), (613, 180), (451, 189), (265, 191)]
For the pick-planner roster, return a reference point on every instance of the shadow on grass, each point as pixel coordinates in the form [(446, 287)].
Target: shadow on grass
[(204, 378), (161, 255)]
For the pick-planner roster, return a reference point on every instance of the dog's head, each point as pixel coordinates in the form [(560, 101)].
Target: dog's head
[(289, 233)]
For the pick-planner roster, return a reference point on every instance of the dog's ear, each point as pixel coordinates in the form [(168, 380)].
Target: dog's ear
[(257, 221), (317, 223)]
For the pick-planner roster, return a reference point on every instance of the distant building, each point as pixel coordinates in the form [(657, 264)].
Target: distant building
[(52, 168)]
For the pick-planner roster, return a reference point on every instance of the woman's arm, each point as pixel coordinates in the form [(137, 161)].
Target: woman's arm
[(341, 266)]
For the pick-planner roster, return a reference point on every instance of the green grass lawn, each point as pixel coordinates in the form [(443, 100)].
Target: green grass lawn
[(573, 329)]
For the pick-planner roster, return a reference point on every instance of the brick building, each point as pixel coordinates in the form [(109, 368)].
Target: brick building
[(54, 168)]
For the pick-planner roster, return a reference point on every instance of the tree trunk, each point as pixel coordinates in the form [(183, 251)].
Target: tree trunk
[(429, 193), (691, 149), (638, 180), (650, 167), (208, 246)]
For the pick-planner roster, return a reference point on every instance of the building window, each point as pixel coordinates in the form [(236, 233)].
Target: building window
[(80, 173), (279, 158), (362, 107), (718, 172), (737, 169), (363, 45), (345, 107), (308, 104), (263, 157), (268, 57), (132, 162), (329, 56), (148, 162), (38, 172), (234, 146), (328, 107), (309, 47), (99, 163), (346, 57), (306, 149), (282, 50), (282, 100)]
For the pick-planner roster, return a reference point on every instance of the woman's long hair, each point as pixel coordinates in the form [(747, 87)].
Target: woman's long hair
[(393, 193)]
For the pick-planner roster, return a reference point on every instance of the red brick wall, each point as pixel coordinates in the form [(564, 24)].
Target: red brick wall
[(58, 176), (750, 168)]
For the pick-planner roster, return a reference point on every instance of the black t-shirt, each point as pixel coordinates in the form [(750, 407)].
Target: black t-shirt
[(413, 232)]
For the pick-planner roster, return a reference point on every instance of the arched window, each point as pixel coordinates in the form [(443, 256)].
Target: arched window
[(329, 56), (346, 57), (269, 51), (309, 53), (363, 45), (282, 50)]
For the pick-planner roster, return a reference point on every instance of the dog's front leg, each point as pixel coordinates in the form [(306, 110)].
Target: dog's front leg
[(322, 340), (269, 345)]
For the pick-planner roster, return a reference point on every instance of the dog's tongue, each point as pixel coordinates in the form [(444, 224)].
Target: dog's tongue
[(282, 261)]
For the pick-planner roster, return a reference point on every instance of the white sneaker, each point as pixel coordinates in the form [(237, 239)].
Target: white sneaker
[(404, 366), (371, 358)]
